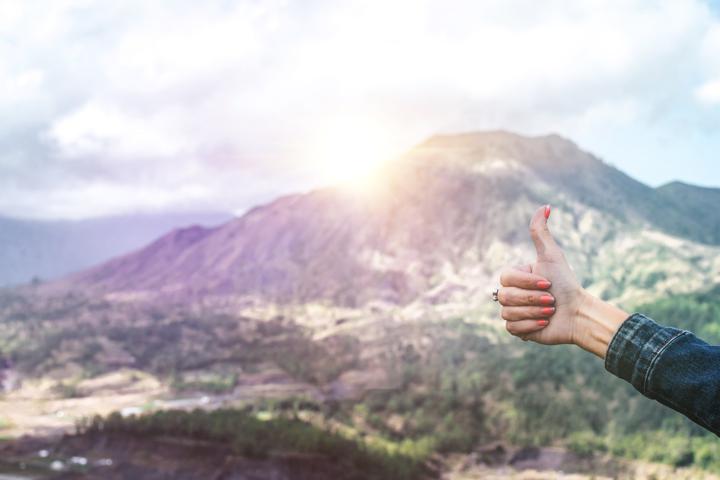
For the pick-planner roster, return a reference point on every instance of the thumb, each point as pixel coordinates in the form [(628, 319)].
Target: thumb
[(540, 233)]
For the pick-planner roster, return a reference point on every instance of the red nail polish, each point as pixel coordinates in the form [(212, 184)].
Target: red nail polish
[(547, 212), (542, 323), (548, 310), (547, 300), (543, 284)]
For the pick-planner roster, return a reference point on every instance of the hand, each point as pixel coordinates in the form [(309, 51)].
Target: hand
[(577, 318), (523, 291), (527, 303)]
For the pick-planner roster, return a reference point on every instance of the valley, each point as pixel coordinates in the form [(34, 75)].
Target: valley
[(368, 321)]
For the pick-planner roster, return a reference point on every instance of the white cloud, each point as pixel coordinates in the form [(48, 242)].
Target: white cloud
[(709, 92), (97, 130), (173, 97)]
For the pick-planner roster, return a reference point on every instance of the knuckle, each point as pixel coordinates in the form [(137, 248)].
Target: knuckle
[(502, 296), (529, 298)]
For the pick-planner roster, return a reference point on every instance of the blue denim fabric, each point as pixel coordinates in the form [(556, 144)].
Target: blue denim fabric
[(669, 365)]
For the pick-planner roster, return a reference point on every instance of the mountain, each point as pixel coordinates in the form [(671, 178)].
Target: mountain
[(368, 312), (699, 204), (49, 249), (439, 224)]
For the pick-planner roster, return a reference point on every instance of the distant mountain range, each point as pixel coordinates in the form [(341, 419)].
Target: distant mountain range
[(45, 250), (441, 222)]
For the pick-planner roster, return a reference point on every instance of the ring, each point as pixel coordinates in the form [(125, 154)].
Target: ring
[(495, 295)]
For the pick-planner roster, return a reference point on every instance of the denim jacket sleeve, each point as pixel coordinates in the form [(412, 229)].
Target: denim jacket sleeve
[(669, 365)]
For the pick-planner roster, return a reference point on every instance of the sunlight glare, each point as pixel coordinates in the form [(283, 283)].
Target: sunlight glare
[(350, 153)]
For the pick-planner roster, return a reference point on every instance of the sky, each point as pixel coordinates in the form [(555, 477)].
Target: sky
[(116, 107)]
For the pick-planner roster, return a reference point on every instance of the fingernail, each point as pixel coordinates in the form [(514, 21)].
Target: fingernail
[(542, 323), (543, 284), (547, 300), (548, 310), (547, 212)]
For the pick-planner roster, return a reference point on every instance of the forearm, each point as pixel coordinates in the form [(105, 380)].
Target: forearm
[(595, 324), (670, 365), (667, 364)]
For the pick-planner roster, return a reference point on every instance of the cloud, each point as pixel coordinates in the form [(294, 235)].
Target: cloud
[(138, 105), (709, 92), (96, 130)]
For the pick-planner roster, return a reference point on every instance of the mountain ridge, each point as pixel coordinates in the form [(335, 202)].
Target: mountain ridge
[(380, 306), (431, 224), (48, 249)]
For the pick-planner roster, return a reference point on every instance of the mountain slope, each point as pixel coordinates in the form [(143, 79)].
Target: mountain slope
[(699, 206), (583, 177), (378, 305), (49, 249), (442, 220)]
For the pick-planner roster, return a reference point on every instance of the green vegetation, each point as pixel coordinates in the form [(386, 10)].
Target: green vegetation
[(40, 336), (466, 391), (665, 447), (440, 401), (307, 360), (5, 423), (213, 383), (566, 396), (699, 313), (250, 436), (454, 388), (67, 389)]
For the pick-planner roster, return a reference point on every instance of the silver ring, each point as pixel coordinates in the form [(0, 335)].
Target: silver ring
[(495, 295)]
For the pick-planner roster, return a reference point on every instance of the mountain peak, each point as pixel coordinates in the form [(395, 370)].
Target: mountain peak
[(439, 215), (475, 138), (679, 186), (545, 155)]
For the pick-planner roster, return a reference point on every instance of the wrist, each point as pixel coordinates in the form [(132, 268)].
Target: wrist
[(596, 322)]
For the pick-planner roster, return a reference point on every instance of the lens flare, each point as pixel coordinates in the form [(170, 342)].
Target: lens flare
[(351, 153)]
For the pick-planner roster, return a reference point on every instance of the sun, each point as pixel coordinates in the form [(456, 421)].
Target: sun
[(351, 153)]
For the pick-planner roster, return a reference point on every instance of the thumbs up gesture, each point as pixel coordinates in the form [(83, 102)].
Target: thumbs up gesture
[(541, 301)]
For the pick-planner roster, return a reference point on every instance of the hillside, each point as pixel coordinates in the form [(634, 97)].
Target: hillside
[(371, 314), (698, 204), (507, 405), (440, 223)]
